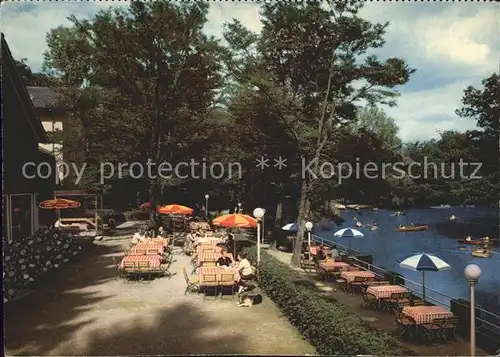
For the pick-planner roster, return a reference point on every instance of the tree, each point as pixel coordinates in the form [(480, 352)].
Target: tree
[(483, 105), (150, 75), (305, 63), (32, 79), (378, 122)]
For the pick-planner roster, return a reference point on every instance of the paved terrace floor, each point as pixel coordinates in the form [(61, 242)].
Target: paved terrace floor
[(381, 320), (83, 310)]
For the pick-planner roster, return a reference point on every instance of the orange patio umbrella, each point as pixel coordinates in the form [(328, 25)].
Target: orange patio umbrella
[(235, 220), (175, 209), (59, 203)]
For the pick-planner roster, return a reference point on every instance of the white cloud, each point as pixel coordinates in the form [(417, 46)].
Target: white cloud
[(421, 115), (446, 43)]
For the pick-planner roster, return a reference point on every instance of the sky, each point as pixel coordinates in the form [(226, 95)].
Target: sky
[(452, 45)]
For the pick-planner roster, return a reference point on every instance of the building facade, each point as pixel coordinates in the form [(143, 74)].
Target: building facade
[(27, 171)]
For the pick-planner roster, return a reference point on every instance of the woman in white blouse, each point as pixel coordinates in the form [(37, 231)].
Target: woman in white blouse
[(245, 269)]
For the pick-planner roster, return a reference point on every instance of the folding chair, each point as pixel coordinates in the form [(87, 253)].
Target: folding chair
[(209, 264), (449, 327), (130, 271), (356, 284), (144, 271), (322, 274), (391, 303), (434, 329), (406, 325), (227, 284), (192, 283), (369, 300), (116, 266), (210, 283)]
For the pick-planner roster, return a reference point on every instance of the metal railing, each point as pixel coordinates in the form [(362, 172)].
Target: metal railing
[(486, 317)]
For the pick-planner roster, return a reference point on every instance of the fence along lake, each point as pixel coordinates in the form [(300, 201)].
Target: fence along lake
[(389, 247)]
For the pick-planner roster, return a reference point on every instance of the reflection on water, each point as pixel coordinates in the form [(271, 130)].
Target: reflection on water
[(389, 247)]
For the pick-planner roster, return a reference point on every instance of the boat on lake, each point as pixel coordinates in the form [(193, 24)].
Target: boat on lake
[(412, 228), (399, 213), (470, 242), (441, 206), (481, 253)]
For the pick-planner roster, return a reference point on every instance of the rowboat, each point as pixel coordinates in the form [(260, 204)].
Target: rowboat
[(470, 242), (481, 253), (399, 213), (412, 228)]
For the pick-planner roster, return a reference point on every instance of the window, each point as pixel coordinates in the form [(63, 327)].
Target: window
[(22, 223)]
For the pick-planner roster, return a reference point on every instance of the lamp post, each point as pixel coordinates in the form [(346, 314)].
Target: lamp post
[(239, 207), (258, 213), (472, 273), (309, 227), (206, 205)]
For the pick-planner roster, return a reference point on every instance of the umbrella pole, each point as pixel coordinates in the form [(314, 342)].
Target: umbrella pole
[(423, 284)]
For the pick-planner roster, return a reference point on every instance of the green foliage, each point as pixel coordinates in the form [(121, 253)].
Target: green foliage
[(326, 324)]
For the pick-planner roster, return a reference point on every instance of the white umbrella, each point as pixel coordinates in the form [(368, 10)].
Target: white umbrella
[(291, 227), (424, 262), (348, 232)]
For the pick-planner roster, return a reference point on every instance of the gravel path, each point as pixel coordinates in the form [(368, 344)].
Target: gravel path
[(83, 310)]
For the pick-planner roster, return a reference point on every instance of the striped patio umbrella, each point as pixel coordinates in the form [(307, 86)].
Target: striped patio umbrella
[(424, 262), (235, 220), (59, 203), (175, 209)]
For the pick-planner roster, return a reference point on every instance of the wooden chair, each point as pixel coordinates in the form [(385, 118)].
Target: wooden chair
[(131, 271), (145, 271), (357, 284), (210, 283), (192, 282), (406, 325), (322, 273), (384, 282), (449, 328), (151, 251), (209, 264), (140, 251), (391, 303), (434, 330), (402, 304), (227, 284), (370, 300), (417, 302)]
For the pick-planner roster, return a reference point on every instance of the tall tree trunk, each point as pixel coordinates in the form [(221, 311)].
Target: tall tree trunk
[(301, 221), (152, 206), (278, 222)]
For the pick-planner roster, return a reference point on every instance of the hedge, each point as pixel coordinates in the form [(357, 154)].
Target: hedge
[(326, 324), (29, 259)]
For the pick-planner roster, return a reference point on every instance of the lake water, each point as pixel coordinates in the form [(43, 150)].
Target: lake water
[(388, 247)]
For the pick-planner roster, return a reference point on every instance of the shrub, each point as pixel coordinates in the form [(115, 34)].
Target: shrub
[(326, 324), (26, 261)]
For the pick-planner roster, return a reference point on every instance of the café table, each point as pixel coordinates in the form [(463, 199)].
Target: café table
[(332, 265), (349, 276), (385, 291), (154, 260), (146, 246), (201, 271), (425, 314)]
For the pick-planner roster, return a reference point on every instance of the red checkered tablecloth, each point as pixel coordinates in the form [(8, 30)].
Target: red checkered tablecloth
[(204, 257), (425, 314), (147, 246), (332, 265), (217, 271), (154, 260), (350, 275), (385, 291)]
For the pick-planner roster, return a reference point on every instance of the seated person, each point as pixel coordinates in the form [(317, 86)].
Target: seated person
[(245, 269), (161, 233), (334, 252), (320, 254), (225, 259)]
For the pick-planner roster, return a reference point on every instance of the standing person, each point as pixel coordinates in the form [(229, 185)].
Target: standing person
[(334, 252), (231, 245)]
